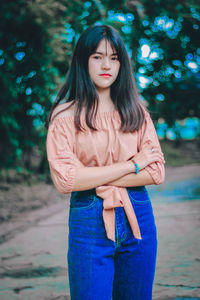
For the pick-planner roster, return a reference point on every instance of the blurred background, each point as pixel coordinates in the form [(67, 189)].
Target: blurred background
[(37, 38), (36, 44)]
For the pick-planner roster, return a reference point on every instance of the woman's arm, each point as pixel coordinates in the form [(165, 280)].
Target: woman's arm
[(119, 174), (143, 158), (147, 133), (133, 179), (91, 177)]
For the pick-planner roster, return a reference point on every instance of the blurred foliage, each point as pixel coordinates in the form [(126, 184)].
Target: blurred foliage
[(172, 30), (37, 38)]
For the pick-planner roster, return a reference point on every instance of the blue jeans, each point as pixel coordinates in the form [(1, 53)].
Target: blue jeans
[(100, 269)]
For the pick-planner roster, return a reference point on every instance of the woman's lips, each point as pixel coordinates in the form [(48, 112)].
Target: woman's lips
[(105, 75)]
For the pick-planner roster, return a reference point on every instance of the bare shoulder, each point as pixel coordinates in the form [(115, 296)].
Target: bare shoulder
[(62, 110)]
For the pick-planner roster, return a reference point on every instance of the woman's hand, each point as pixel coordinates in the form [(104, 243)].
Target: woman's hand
[(148, 155)]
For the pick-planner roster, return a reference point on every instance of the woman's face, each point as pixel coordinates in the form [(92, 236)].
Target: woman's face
[(103, 66)]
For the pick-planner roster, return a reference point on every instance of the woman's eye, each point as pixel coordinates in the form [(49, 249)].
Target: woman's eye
[(114, 58), (97, 57)]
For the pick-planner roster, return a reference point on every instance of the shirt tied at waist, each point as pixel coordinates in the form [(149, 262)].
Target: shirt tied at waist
[(116, 197)]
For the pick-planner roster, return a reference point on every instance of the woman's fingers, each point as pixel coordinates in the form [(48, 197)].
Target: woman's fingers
[(157, 157), (148, 145), (146, 156), (154, 149), (151, 148)]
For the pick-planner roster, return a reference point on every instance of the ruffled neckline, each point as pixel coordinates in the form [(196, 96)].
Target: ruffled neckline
[(99, 115)]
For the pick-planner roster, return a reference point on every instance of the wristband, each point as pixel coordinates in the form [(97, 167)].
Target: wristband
[(136, 167)]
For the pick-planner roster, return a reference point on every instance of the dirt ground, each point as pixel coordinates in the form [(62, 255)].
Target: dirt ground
[(33, 239)]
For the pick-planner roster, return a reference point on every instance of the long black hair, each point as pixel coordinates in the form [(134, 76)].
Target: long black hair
[(79, 88)]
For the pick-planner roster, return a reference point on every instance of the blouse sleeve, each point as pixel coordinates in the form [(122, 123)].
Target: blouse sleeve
[(147, 132), (62, 161)]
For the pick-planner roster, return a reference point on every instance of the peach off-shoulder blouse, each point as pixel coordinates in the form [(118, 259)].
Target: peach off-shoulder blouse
[(66, 148)]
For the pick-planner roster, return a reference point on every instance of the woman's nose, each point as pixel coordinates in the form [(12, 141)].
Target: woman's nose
[(106, 63)]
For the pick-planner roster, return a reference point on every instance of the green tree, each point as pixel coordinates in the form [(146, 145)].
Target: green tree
[(33, 52), (171, 29)]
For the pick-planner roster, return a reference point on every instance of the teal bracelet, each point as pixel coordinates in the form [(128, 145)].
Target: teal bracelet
[(136, 167)]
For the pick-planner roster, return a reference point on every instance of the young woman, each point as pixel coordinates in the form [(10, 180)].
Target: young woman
[(102, 148)]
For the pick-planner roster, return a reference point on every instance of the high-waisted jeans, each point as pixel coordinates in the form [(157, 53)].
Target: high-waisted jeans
[(101, 269)]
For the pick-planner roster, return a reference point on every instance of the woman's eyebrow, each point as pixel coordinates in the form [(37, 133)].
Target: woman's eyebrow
[(103, 53)]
